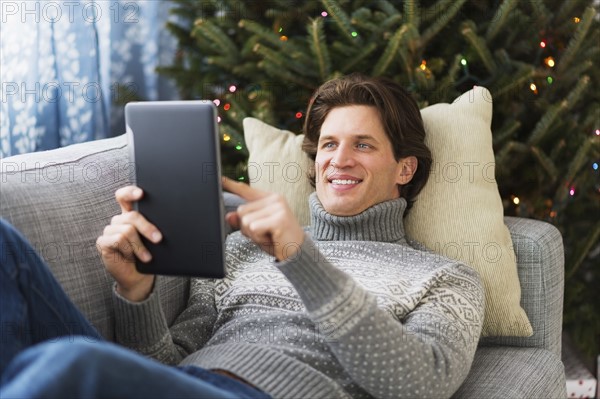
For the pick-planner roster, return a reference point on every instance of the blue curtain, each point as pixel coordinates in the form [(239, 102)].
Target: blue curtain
[(61, 63)]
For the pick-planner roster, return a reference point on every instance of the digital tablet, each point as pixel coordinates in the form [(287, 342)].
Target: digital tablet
[(175, 148)]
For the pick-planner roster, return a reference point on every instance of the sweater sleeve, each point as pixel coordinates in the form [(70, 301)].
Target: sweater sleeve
[(427, 354), (142, 326)]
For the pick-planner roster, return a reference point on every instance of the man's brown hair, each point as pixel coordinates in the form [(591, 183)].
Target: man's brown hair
[(400, 117)]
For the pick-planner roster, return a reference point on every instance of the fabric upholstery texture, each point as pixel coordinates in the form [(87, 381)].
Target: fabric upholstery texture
[(61, 200), (530, 373), (458, 214)]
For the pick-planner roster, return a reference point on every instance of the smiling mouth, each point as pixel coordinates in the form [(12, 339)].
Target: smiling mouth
[(344, 182)]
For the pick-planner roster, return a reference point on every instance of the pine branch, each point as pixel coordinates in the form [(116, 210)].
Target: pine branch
[(285, 75), (566, 8), (579, 69), (507, 132), (441, 22), (263, 109), (584, 251), (509, 155), (237, 112), (247, 50), (386, 25), (579, 160), (468, 31), (435, 10), (289, 46), (390, 51), (411, 13), (263, 33), (546, 163), (362, 55), (444, 89), (182, 34), (342, 21), (546, 122), (575, 94), (318, 45), (362, 19), (541, 12), (578, 37), (499, 19), (516, 82), (216, 37), (285, 62), (387, 7), (233, 133)]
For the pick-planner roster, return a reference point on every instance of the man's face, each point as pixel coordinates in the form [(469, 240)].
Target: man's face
[(355, 163)]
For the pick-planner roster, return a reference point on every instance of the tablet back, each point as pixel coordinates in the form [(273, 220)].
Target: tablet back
[(175, 148)]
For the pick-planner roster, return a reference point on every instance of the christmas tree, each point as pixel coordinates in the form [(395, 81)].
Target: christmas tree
[(538, 58)]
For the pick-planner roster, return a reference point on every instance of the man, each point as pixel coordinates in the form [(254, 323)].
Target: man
[(345, 308)]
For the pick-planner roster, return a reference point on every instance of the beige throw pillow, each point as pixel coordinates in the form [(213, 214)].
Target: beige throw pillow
[(458, 214)]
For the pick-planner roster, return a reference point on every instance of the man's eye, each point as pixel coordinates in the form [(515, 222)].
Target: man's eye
[(363, 146), (329, 145)]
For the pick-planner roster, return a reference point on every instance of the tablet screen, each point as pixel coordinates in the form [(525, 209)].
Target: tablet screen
[(175, 147)]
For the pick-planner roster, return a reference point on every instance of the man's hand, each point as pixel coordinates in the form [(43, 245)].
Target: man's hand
[(266, 219), (120, 244)]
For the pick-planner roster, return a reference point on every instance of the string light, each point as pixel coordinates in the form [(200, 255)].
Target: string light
[(324, 14), (354, 34), (549, 61), (226, 107), (516, 200), (238, 147), (553, 214), (217, 102), (576, 20), (572, 191), (280, 29), (298, 115), (533, 88), (423, 65), (549, 80), (463, 62), (226, 137), (543, 44), (283, 38), (232, 89), (218, 119), (597, 132), (595, 166)]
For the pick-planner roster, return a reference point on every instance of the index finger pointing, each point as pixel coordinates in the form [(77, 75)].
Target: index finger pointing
[(242, 189), (126, 196)]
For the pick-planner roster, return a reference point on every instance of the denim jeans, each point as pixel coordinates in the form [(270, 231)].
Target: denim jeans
[(48, 348)]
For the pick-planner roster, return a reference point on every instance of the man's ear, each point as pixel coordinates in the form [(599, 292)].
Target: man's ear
[(407, 168)]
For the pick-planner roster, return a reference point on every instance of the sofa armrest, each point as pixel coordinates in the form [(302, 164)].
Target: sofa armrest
[(540, 262), (61, 200)]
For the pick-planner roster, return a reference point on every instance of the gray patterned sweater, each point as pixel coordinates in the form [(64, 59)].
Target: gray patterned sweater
[(358, 312)]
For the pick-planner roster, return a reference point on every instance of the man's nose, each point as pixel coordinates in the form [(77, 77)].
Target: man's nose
[(343, 157)]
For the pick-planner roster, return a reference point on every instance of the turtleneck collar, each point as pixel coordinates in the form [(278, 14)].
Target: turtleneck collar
[(382, 222)]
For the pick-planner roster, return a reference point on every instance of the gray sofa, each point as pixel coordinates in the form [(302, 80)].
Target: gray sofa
[(62, 199)]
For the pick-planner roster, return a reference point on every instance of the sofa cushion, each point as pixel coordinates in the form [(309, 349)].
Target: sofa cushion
[(459, 213), (61, 200), (505, 372)]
